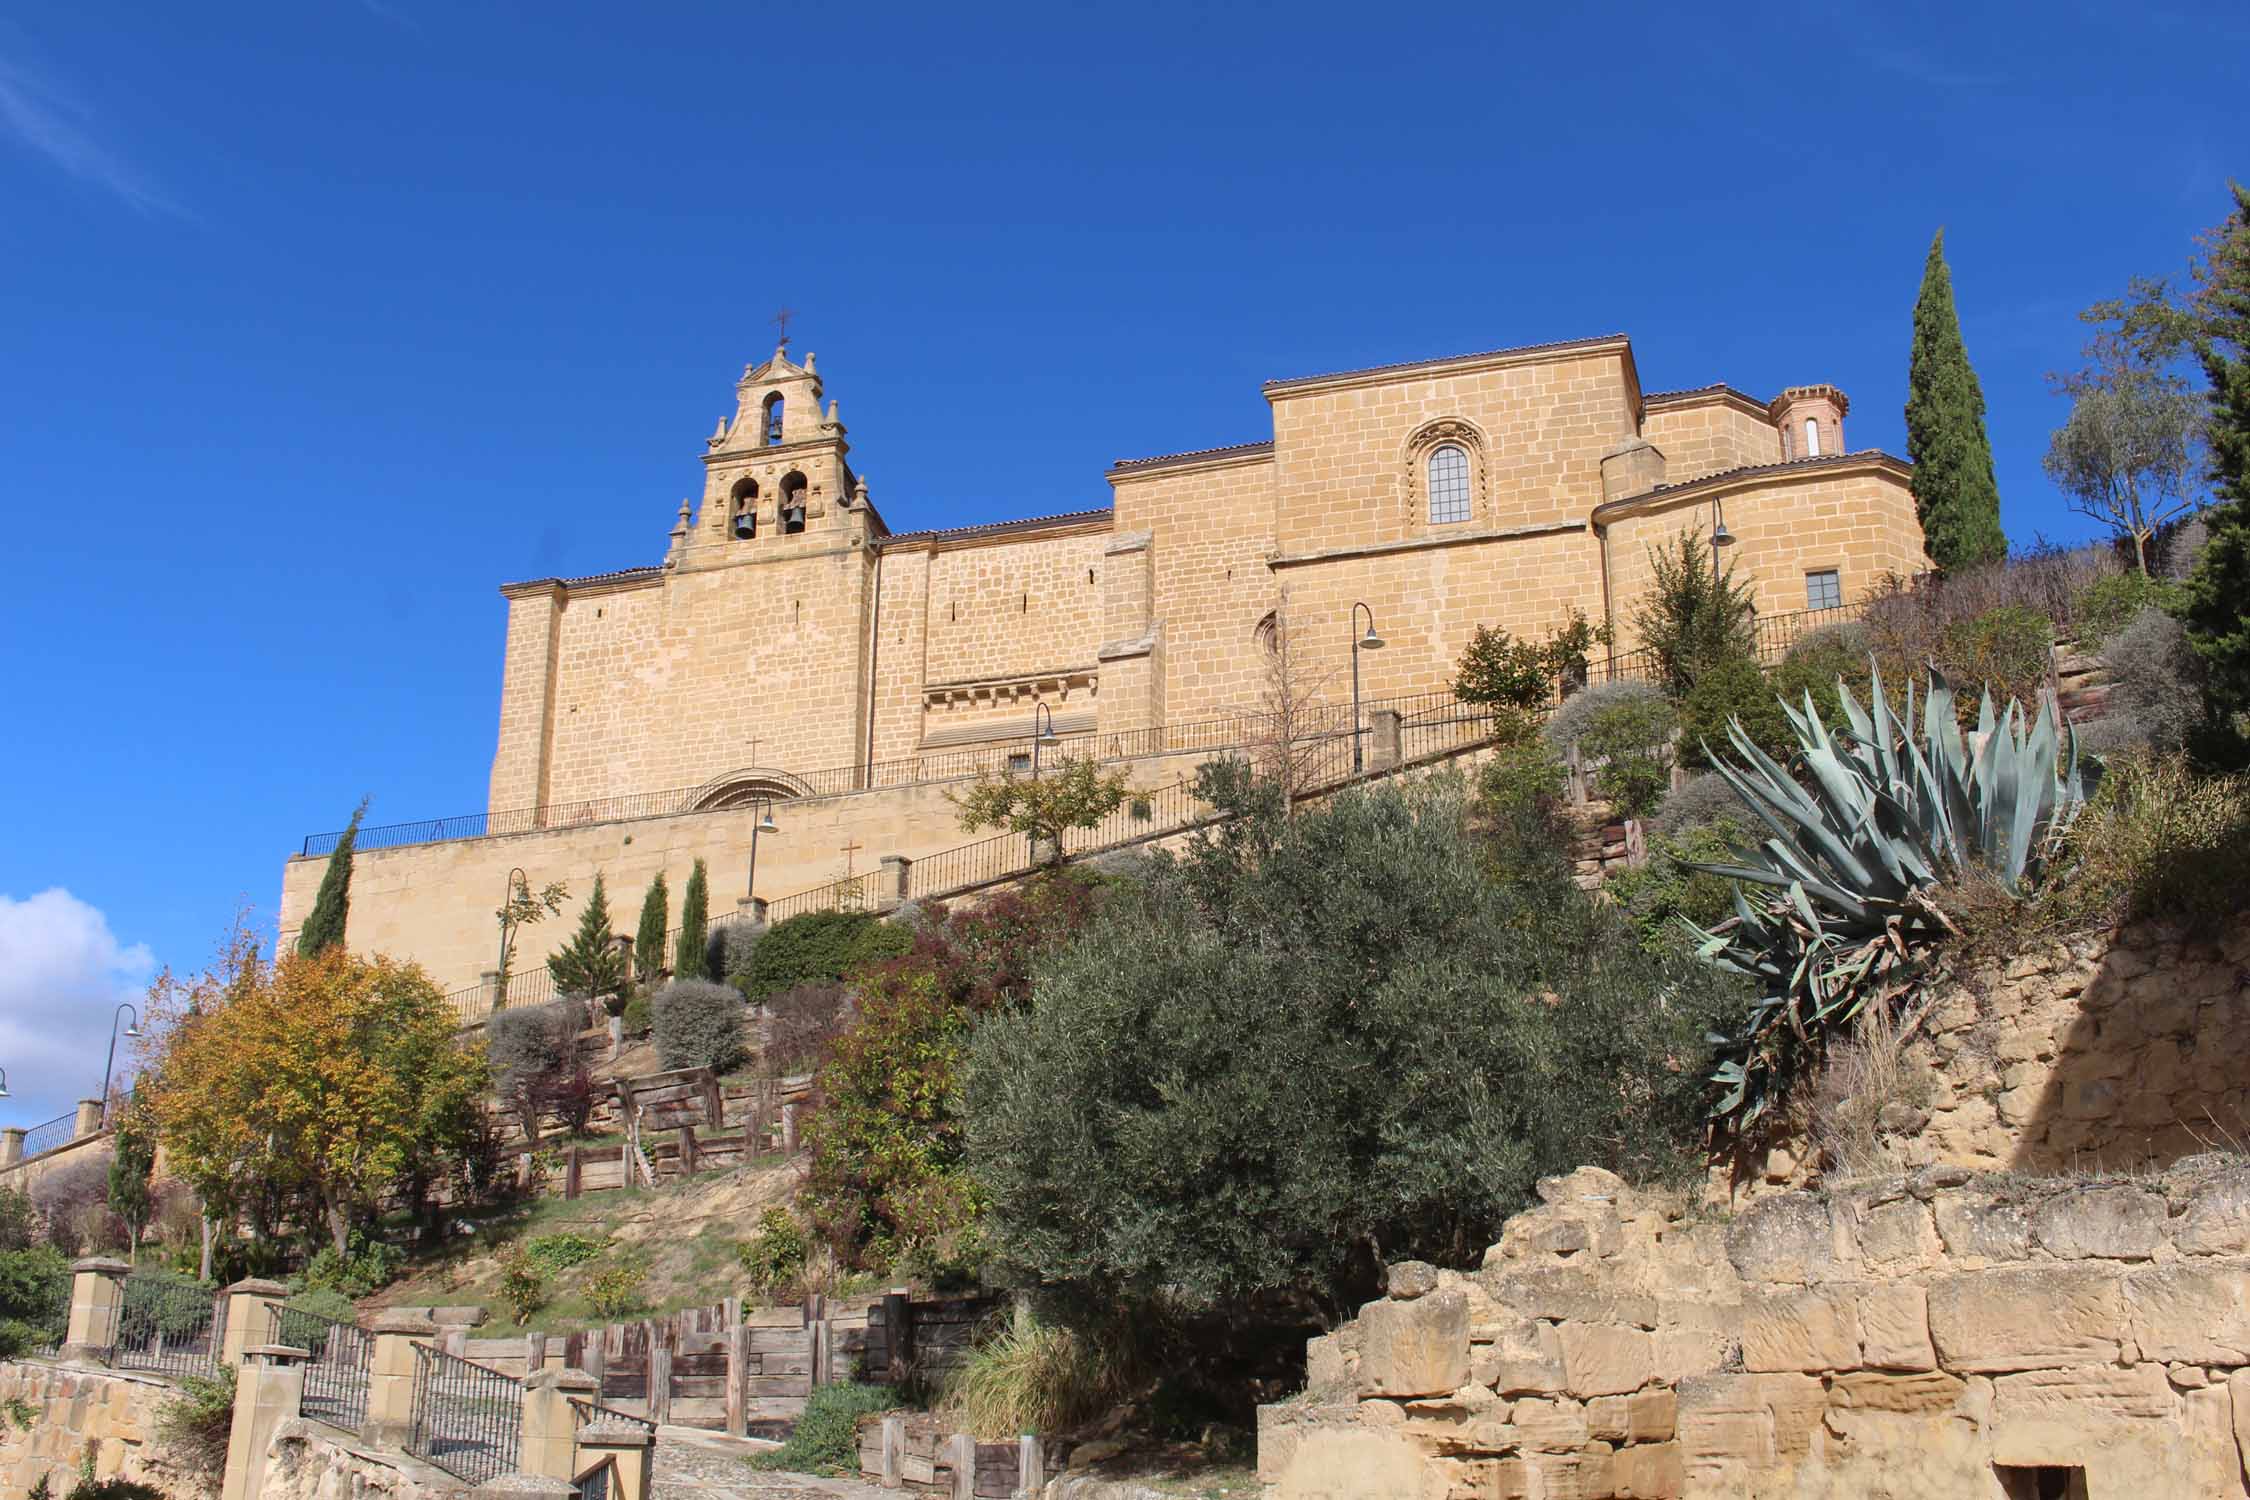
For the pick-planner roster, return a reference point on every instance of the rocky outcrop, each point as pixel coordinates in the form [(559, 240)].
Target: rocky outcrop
[(87, 1415), (1935, 1334)]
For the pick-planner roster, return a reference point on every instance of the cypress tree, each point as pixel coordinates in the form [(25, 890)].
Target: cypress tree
[(688, 959), (2217, 616), (589, 964), (648, 941), (129, 1171), (1955, 495), (324, 927)]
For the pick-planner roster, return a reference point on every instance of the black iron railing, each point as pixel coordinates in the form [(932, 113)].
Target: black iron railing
[(336, 1376), (913, 770), (168, 1325), (41, 1139), (466, 1419), (601, 1483), (47, 1312), (1771, 638)]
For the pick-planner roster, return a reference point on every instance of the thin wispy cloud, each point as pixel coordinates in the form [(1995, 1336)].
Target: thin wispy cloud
[(39, 116)]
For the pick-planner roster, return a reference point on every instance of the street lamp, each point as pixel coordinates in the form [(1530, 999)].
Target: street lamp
[(1720, 537), (1041, 736), (132, 1034), (3, 1083), (1368, 642), (765, 824)]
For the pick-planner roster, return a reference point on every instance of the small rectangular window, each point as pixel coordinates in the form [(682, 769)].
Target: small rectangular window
[(1812, 437), (1019, 761), (1824, 590)]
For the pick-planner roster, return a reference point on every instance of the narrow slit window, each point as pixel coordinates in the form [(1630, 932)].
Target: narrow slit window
[(1812, 437), (1824, 589), (1449, 486)]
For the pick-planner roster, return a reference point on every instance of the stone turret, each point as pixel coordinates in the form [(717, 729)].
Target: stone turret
[(1811, 419)]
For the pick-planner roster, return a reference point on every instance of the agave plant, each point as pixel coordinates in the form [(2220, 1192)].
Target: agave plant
[(1856, 847)]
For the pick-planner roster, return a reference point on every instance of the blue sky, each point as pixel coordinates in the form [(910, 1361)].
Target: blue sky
[(319, 320)]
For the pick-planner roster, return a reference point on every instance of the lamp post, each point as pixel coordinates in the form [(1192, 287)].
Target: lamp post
[(1720, 537), (765, 824), (1368, 642), (1041, 736), (132, 1033)]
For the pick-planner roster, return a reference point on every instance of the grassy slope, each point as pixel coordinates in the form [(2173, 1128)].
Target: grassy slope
[(683, 1235)]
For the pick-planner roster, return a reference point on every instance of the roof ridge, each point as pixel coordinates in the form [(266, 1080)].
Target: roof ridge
[(1448, 359), (1166, 458), (931, 533)]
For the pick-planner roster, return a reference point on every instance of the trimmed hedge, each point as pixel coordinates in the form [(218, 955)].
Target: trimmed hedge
[(830, 945)]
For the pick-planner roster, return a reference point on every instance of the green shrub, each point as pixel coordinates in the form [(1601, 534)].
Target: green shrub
[(19, 1221), (34, 1297), (826, 1437), (732, 946), (1814, 665), (196, 1421), (1693, 611), (2158, 840), (698, 1024), (326, 1303), (1317, 1045), (1571, 722), (2107, 605), (819, 945), (1732, 690), (638, 1020), (774, 1256), (90, 1488), (2009, 650), (554, 1254), (1520, 809), (362, 1269), (616, 1291), (1665, 889), (523, 1286), (886, 1177), (1632, 736)]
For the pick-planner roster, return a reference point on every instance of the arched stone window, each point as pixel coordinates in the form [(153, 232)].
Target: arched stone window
[(1444, 482), (745, 519), (1449, 484), (746, 788), (792, 503), (773, 420)]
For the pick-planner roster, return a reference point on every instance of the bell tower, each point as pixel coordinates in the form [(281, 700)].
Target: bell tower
[(776, 482)]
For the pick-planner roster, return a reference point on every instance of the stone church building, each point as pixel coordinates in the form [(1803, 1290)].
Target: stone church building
[(789, 645)]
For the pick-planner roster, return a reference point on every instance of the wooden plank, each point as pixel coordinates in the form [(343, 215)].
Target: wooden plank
[(687, 1149), (775, 1317), (894, 1452), (776, 1385), (738, 1372)]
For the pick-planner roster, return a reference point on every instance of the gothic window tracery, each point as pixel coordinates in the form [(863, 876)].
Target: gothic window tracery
[(1444, 480)]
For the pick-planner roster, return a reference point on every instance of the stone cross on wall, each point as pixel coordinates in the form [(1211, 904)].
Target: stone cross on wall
[(849, 848)]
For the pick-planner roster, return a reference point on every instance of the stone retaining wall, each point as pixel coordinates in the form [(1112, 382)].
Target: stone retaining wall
[(87, 1413), (1937, 1334), (2100, 1052)]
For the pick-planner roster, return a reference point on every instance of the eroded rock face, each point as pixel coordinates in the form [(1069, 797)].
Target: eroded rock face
[(1898, 1338)]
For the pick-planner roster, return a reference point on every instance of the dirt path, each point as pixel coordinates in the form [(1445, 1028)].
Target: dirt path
[(695, 1465)]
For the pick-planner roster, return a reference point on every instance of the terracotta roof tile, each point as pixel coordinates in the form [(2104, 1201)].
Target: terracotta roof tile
[(1127, 464), (1028, 523)]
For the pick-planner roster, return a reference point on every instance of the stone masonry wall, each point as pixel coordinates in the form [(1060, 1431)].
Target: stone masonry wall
[(1941, 1334), (83, 1413), (2084, 1053)]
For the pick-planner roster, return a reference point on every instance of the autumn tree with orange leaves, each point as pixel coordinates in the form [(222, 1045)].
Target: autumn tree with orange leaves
[(307, 1089)]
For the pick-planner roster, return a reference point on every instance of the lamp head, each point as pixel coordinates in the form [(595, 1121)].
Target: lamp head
[(766, 824), (1371, 641), (3, 1083), (1721, 537)]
